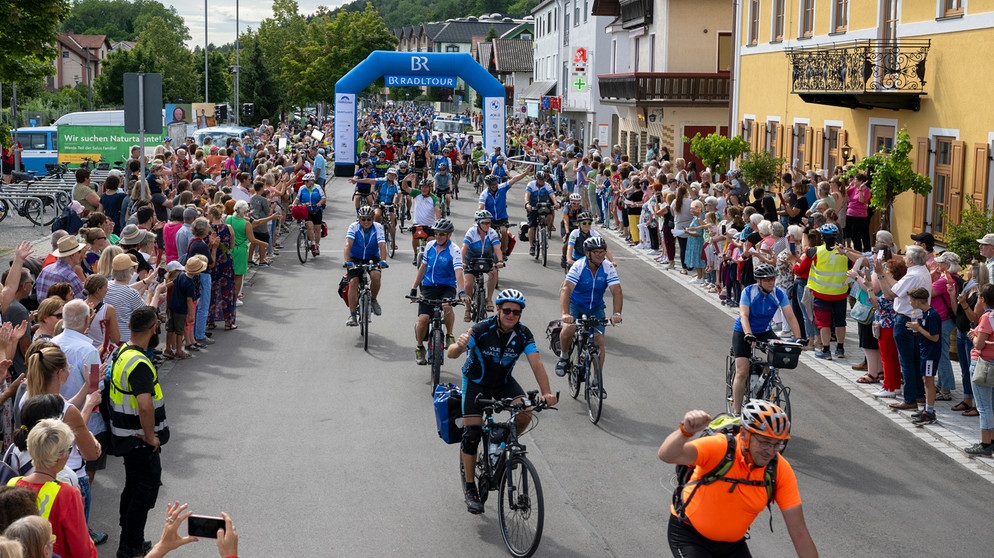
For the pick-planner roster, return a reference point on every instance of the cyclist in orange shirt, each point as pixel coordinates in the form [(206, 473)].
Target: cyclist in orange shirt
[(716, 518)]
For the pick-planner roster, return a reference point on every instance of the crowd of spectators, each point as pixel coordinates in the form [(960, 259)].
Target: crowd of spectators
[(173, 245)]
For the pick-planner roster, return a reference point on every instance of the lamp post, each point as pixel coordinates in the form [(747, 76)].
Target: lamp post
[(237, 62), (206, 99)]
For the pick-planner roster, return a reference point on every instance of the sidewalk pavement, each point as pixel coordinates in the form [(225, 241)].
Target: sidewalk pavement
[(950, 435)]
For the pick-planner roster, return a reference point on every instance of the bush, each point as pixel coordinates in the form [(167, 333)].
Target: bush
[(761, 169), (962, 238)]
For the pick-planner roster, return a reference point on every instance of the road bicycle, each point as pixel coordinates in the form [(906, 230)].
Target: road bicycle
[(388, 218), (479, 267), (764, 377), (543, 210), (436, 334), (303, 243), (422, 238), (584, 366), (480, 170), (365, 307), (502, 465)]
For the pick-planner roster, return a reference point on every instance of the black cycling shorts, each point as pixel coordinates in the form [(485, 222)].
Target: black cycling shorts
[(533, 217), (355, 272), (471, 390), (686, 542), (498, 223), (742, 349), (434, 292), (315, 216)]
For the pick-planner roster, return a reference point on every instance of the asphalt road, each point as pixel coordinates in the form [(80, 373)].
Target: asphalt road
[(317, 448)]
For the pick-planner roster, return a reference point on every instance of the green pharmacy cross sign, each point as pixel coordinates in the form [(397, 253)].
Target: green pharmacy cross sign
[(579, 83)]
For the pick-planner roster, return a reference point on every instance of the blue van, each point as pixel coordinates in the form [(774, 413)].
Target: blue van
[(41, 146)]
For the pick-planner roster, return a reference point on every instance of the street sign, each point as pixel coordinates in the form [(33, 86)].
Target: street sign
[(580, 56), (579, 83), (142, 94)]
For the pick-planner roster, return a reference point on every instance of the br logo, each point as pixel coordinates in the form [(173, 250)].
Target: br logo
[(419, 63)]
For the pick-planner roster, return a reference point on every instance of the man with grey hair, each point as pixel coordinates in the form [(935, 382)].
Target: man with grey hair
[(906, 340), (83, 361), (184, 236), (986, 247)]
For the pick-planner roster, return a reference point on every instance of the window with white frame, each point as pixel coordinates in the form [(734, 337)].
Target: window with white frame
[(753, 37), (840, 16), (778, 10), (807, 19), (951, 8)]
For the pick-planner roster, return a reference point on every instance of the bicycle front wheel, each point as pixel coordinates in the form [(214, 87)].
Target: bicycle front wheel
[(391, 236), (545, 246), (521, 509), (34, 210), (302, 246), (364, 309), (729, 378), (436, 347), (595, 399), (480, 302), (573, 371)]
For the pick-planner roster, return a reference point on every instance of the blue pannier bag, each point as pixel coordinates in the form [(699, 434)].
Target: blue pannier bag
[(448, 413)]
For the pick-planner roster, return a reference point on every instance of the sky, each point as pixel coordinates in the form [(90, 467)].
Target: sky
[(221, 16)]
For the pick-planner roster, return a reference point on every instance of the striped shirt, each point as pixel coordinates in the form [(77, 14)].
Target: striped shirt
[(125, 300)]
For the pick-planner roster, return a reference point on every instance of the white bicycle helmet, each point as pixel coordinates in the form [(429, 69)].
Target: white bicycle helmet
[(510, 295)]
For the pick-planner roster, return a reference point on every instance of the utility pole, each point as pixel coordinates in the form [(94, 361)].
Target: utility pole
[(237, 63), (206, 99)]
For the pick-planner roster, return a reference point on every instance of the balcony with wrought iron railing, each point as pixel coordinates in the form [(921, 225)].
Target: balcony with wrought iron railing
[(861, 74), (678, 89)]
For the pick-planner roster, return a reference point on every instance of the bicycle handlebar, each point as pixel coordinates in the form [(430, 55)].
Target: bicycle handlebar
[(434, 301), (368, 266), (531, 400)]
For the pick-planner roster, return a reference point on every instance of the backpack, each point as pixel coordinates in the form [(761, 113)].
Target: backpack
[(9, 469), (729, 426), (68, 221)]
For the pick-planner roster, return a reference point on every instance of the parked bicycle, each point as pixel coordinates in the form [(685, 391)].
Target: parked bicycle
[(764, 377), (585, 366), (502, 465), (365, 307), (436, 334)]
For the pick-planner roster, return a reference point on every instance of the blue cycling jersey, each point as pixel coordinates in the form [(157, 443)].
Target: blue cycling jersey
[(491, 353), (388, 190), (311, 197), (442, 263), (762, 307), (477, 248), (539, 194), (589, 286), (576, 239), (496, 203), (365, 242)]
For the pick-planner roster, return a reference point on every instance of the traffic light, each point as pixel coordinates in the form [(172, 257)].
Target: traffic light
[(220, 113), (248, 109)]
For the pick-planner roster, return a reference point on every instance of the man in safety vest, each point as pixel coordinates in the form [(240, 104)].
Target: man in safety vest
[(827, 282), (138, 428)]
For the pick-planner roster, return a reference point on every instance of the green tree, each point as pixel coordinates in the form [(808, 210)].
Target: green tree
[(404, 93), (27, 35), (285, 27), (892, 174), (961, 238), (761, 169), (257, 86), (329, 51), (121, 20), (716, 150)]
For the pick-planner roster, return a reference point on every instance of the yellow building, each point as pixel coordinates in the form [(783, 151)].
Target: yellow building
[(817, 75)]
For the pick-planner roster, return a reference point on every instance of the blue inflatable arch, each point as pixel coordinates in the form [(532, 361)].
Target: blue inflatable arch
[(413, 68)]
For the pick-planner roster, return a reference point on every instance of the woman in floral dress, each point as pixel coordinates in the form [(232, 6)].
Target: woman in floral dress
[(223, 293)]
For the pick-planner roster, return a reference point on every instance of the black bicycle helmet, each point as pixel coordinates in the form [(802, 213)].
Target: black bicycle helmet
[(594, 243), (483, 215), (491, 179), (765, 419), (764, 271), (510, 295), (584, 216), (365, 211), (541, 175), (443, 225), (426, 183)]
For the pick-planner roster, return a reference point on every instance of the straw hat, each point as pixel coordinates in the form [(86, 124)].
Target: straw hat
[(196, 264), (68, 245), (123, 262)]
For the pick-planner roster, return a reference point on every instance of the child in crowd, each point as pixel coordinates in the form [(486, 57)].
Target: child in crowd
[(711, 251), (928, 327)]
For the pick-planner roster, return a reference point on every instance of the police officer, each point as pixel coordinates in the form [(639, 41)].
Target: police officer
[(138, 429)]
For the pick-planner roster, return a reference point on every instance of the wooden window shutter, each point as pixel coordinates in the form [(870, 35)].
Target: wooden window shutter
[(955, 207), (757, 142), (788, 152), (817, 150), (779, 145), (921, 167), (810, 147), (981, 174)]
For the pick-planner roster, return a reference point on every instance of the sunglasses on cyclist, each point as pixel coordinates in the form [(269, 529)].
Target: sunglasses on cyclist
[(510, 312), (586, 222), (365, 219)]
